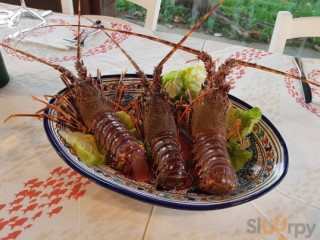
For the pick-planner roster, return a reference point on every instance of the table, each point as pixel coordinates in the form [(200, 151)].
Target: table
[(36, 185)]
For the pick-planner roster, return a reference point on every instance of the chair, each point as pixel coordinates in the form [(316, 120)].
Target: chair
[(287, 27), (67, 6), (153, 9)]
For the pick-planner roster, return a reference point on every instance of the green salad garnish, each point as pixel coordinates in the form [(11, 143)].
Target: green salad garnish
[(239, 155), (85, 147), (125, 118), (248, 120), (191, 78)]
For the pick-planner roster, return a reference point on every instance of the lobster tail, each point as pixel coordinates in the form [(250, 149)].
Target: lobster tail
[(212, 163), (168, 162), (161, 132), (127, 152)]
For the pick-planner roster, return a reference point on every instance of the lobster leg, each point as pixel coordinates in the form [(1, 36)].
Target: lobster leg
[(67, 122), (62, 101)]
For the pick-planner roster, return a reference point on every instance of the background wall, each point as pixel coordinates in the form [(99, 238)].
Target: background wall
[(87, 6)]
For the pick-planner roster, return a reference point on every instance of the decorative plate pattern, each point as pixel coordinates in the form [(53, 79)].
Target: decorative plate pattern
[(262, 173)]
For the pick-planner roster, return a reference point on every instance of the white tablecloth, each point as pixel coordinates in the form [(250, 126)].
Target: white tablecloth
[(37, 200)]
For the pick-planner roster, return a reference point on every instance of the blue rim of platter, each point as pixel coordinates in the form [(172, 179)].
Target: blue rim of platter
[(276, 168)]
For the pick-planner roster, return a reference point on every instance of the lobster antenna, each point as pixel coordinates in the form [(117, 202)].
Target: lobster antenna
[(233, 62), (79, 34), (28, 55), (61, 69), (135, 65), (184, 48), (140, 73), (188, 34)]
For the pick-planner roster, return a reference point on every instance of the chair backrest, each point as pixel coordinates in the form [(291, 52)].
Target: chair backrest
[(287, 27), (153, 9), (67, 6)]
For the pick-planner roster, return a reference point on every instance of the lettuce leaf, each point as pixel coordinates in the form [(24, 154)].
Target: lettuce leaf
[(125, 118), (178, 81), (248, 119), (85, 147), (170, 76), (175, 87), (239, 155), (194, 78)]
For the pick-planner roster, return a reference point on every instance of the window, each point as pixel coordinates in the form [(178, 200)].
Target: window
[(241, 22)]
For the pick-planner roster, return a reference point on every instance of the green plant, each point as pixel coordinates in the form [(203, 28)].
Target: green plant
[(235, 15), (168, 10), (123, 5)]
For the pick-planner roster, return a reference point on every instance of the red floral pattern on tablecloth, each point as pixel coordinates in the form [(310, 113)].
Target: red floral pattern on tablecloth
[(314, 75), (296, 91), (102, 48), (38, 199), (248, 55)]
